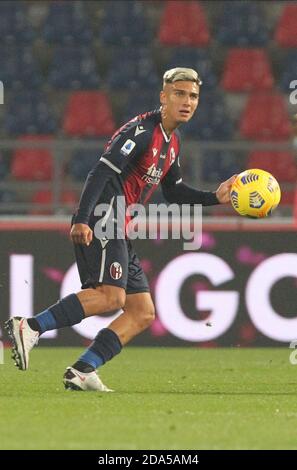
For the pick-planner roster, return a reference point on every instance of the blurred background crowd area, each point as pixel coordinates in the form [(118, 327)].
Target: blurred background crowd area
[(74, 71)]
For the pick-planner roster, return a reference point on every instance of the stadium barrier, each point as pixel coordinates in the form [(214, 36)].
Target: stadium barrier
[(238, 289), (62, 151)]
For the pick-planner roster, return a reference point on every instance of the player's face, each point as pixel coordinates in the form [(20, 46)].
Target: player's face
[(179, 100)]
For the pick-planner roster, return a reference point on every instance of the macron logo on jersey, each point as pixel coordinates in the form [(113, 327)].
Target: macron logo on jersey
[(139, 130), (127, 148)]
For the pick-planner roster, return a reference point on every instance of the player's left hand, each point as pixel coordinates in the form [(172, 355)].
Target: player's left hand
[(223, 191)]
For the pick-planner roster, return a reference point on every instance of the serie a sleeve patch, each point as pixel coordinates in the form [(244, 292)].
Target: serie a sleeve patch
[(127, 148)]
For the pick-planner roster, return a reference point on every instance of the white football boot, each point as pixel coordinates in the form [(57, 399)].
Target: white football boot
[(83, 381), (23, 339)]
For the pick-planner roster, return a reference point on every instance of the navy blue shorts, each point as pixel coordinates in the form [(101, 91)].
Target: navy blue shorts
[(111, 262)]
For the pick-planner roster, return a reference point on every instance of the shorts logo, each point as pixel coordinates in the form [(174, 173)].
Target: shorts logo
[(116, 270), (127, 148)]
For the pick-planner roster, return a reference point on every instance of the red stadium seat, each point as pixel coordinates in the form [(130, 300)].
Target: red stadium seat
[(32, 163), (88, 113), (183, 24), (281, 164), (285, 33), (265, 117), (247, 69), (295, 207), (46, 197), (288, 197)]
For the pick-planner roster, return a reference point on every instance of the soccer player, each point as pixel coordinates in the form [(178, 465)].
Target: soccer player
[(140, 155)]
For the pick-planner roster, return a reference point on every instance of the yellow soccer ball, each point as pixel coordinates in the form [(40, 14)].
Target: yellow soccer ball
[(255, 193)]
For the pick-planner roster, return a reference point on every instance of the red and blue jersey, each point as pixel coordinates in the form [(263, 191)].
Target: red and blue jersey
[(142, 155), (138, 157)]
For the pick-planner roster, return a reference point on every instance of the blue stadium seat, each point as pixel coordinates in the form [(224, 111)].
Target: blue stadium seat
[(67, 23), (139, 102), (82, 162), (73, 68), (199, 59), (28, 113), (136, 69), (7, 196), (289, 71), (211, 121), (18, 68), (4, 170), (124, 23), (13, 23), (242, 24), (219, 165)]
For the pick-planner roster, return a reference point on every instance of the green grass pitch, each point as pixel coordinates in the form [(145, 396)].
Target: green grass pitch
[(165, 398)]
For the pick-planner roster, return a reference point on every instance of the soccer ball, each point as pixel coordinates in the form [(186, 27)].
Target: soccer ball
[(255, 193)]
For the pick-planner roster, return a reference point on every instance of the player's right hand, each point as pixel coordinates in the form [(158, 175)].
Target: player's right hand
[(81, 234)]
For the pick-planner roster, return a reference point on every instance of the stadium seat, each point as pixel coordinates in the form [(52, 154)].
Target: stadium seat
[(281, 164), (183, 24), (29, 113), (289, 71), (125, 23), (146, 101), (137, 69), (242, 24), (265, 117), (285, 33), (220, 165), (18, 68), (295, 207), (4, 170), (247, 69), (88, 113), (73, 68), (7, 196), (82, 162), (67, 23), (68, 198), (199, 59), (13, 23), (211, 121), (288, 197), (32, 163)]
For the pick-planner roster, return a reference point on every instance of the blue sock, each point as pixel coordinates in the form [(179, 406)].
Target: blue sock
[(66, 312), (91, 358), (105, 346), (46, 321)]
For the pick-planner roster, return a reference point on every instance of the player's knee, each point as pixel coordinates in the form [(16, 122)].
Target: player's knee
[(119, 299), (116, 296), (147, 315)]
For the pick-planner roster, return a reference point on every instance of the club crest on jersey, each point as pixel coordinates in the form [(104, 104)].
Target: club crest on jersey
[(127, 148), (116, 270), (172, 156)]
